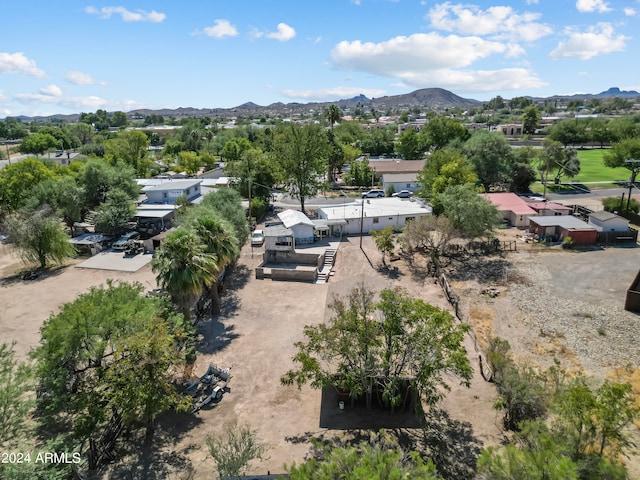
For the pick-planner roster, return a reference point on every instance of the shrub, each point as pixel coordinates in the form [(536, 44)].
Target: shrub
[(567, 242), (615, 204)]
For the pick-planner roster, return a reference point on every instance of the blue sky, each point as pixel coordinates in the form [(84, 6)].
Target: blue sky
[(70, 56)]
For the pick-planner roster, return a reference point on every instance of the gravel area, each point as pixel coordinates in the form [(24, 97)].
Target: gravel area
[(601, 336)]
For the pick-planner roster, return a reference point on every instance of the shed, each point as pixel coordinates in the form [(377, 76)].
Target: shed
[(300, 225), (558, 227), (278, 238), (90, 243), (608, 222)]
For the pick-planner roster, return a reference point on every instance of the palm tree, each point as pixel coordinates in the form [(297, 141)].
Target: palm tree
[(219, 239), (183, 267), (333, 115)]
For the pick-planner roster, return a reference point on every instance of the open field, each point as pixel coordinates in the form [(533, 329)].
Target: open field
[(261, 320), (592, 168)]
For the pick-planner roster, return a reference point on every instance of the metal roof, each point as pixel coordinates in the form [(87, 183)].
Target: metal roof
[(375, 207), (568, 222), (291, 218)]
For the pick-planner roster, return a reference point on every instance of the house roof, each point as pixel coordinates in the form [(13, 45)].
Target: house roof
[(548, 206), (277, 231), (172, 185), (509, 202), (399, 177), (604, 216), (89, 239), (568, 222), (376, 207), (397, 166), (291, 218)]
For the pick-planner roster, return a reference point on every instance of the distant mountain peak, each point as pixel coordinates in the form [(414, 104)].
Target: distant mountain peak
[(357, 98), (616, 92)]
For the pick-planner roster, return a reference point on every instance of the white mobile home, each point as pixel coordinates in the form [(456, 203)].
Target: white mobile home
[(299, 224), (371, 214)]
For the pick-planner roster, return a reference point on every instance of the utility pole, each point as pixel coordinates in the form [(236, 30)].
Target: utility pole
[(632, 181), (361, 222)]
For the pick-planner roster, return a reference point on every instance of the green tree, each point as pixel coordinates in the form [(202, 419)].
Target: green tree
[(98, 178), (522, 172), (530, 120), (360, 354), (130, 147), (376, 460), (119, 119), (112, 350), (183, 268), (39, 237), (113, 215), (569, 132), (360, 173), (18, 180), (468, 212), (190, 161), (384, 241), (491, 157), (234, 450), (301, 152), (15, 401), (441, 131), (620, 154), (446, 167), (38, 143), (235, 148), (220, 241), (62, 194), (228, 204), (408, 145)]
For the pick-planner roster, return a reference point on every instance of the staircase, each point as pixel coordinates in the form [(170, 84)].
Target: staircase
[(329, 260)]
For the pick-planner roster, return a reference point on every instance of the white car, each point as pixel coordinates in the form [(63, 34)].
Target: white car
[(373, 194), (257, 238), (403, 194)]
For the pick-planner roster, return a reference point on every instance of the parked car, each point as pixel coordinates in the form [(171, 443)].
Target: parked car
[(403, 194), (121, 243), (373, 194), (257, 238)]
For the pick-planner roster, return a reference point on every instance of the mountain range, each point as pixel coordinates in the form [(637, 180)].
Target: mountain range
[(432, 98)]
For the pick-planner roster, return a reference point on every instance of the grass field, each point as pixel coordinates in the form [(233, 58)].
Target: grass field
[(593, 173)]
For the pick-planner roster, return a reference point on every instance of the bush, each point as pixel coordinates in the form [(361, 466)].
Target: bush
[(567, 242), (258, 207), (615, 204), (390, 190)]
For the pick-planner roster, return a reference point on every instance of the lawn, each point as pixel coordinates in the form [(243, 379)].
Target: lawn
[(592, 171), (592, 168)]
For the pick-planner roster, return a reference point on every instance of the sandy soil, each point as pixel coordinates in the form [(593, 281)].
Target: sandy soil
[(255, 336)]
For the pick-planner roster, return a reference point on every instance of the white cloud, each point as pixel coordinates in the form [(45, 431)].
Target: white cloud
[(79, 78), (221, 29), (597, 40), (90, 102), (325, 94), (420, 51), (283, 34), (630, 12), (424, 60), (127, 15), (533, 2), (18, 63), (586, 6), (498, 21), (52, 90)]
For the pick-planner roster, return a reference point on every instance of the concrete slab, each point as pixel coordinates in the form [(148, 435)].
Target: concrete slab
[(118, 261)]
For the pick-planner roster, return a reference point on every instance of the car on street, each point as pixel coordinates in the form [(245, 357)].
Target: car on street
[(403, 194), (373, 194), (121, 243), (257, 238)]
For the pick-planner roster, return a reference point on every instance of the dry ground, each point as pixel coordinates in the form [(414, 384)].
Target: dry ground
[(255, 335)]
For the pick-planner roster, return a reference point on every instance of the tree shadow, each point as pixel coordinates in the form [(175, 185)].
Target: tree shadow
[(236, 280), (155, 457), (338, 413), (391, 272), (214, 336), (484, 269), (449, 443)]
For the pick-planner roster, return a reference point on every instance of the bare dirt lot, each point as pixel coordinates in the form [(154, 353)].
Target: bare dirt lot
[(262, 319)]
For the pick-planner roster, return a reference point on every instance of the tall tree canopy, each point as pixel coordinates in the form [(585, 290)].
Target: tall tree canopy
[(370, 348), (110, 350), (491, 157), (301, 151), (468, 212)]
